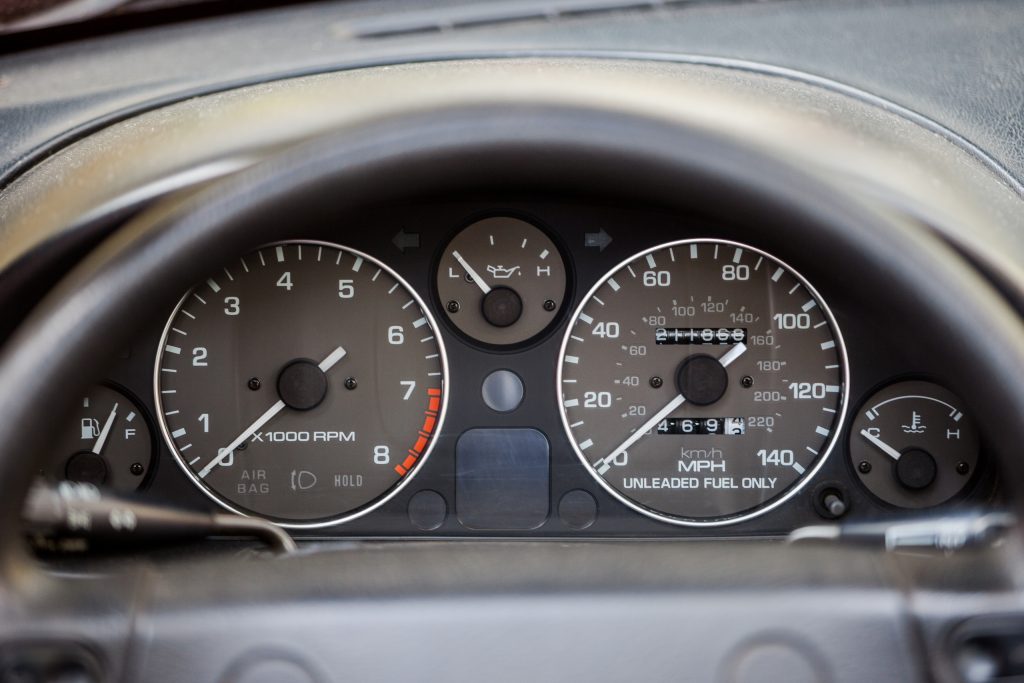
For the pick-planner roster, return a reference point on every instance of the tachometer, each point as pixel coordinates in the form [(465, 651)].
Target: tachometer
[(303, 383), (702, 382)]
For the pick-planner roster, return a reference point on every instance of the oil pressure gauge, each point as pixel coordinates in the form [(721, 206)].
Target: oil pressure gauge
[(501, 281), (913, 446)]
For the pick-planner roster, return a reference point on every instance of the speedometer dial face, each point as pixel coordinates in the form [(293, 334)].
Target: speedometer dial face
[(702, 382), (303, 383)]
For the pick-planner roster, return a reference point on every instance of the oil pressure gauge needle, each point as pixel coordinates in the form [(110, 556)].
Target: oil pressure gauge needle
[(605, 463), (472, 273), (325, 365), (882, 446)]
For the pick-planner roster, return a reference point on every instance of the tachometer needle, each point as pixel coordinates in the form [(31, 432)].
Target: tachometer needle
[(472, 273), (332, 359), (605, 463), (325, 365), (97, 447), (882, 446)]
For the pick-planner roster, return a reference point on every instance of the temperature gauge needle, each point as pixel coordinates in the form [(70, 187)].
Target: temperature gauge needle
[(881, 445), (472, 273), (102, 440), (605, 463), (325, 365)]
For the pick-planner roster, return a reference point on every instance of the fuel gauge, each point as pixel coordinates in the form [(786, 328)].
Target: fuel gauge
[(913, 446), (501, 281), (108, 443)]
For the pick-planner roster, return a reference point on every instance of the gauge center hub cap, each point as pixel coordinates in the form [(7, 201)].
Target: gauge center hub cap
[(916, 469), (302, 385), (702, 380), (502, 306)]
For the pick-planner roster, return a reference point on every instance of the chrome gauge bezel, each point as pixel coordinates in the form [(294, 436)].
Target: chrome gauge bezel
[(340, 519), (834, 437)]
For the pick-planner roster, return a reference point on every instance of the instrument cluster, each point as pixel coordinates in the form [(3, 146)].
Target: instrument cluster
[(529, 368)]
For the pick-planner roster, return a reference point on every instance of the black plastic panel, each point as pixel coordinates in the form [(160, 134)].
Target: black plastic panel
[(502, 478), (881, 348)]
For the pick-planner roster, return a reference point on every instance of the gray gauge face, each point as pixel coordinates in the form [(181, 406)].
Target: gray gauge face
[(108, 443), (302, 383), (702, 382), (501, 281), (913, 446)]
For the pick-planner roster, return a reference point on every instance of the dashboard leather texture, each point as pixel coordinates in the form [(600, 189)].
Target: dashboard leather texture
[(961, 64)]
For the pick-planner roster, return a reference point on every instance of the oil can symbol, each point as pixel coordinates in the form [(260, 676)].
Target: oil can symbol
[(90, 428)]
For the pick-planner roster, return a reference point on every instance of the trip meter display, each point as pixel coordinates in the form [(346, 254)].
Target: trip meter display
[(303, 383), (702, 382)]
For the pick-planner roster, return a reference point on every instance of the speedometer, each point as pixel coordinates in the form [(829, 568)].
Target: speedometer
[(702, 382), (303, 383)]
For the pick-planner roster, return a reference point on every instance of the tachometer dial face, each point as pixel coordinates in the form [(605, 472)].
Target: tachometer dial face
[(501, 281), (303, 383), (702, 382)]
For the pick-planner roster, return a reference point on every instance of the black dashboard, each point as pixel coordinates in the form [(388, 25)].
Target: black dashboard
[(500, 461), (389, 340)]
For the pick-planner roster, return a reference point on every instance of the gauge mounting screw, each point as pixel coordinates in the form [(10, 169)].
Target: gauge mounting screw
[(864, 467), (747, 381), (962, 467), (351, 383), (254, 383), (453, 306), (550, 305), (656, 382), (136, 468)]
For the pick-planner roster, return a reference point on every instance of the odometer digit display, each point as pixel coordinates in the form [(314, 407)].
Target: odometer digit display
[(702, 382)]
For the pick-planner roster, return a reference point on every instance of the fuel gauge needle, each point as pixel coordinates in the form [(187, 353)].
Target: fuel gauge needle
[(472, 273), (881, 445), (97, 448)]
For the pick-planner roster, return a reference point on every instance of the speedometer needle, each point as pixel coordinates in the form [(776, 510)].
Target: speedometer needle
[(882, 446), (325, 365), (472, 273), (605, 463)]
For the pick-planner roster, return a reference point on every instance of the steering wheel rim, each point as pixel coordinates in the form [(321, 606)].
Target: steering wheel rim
[(146, 265)]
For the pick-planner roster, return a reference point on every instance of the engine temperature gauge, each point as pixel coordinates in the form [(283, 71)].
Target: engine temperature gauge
[(501, 281), (913, 446)]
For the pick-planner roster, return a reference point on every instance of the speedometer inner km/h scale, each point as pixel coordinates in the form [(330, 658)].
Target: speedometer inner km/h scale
[(702, 382)]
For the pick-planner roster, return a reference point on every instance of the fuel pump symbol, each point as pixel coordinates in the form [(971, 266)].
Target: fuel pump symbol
[(90, 428)]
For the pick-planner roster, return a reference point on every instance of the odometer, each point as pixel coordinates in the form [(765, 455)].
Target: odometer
[(702, 382), (303, 383)]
